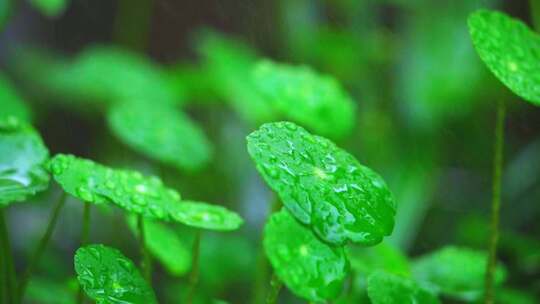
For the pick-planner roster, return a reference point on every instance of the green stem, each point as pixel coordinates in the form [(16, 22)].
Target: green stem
[(194, 275), (534, 6), (85, 232), (275, 287), (41, 247), (8, 265), (495, 204), (146, 262)]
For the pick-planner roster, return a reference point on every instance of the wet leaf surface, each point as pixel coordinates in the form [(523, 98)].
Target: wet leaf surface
[(107, 276), (130, 190), (510, 50), (313, 100), (206, 216), (386, 288), (161, 132), (22, 156), (322, 185), (309, 267)]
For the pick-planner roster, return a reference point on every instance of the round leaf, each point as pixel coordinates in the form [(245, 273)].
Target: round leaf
[(309, 267), (454, 271), (162, 133), (95, 183), (322, 185), (22, 155), (510, 50), (316, 101), (386, 288), (11, 104), (107, 276), (206, 216), (384, 256)]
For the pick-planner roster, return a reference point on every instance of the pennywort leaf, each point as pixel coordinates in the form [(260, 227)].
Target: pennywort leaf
[(387, 288), (384, 256), (161, 132), (130, 190), (206, 216), (455, 271), (300, 94), (22, 156), (107, 276), (11, 104), (309, 267), (510, 50), (322, 185)]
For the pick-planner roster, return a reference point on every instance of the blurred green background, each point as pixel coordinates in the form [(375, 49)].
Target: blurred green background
[(425, 115)]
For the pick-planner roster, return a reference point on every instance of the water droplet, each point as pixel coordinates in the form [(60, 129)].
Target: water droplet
[(110, 184), (57, 168), (157, 211), (174, 194), (85, 194), (139, 200), (291, 126)]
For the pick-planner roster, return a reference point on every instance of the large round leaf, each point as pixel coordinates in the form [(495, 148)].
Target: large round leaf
[(309, 267), (313, 100), (11, 104), (206, 216), (107, 276), (162, 133), (22, 156), (456, 272), (95, 183), (322, 185), (386, 288), (510, 50)]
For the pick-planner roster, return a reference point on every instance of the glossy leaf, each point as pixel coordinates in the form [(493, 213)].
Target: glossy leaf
[(11, 104), (165, 245), (510, 50), (384, 256), (386, 288), (107, 276), (50, 8), (454, 271), (162, 133), (95, 183), (206, 216), (322, 185), (313, 100), (22, 156), (309, 267)]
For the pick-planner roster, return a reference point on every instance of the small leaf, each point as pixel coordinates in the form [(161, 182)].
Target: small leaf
[(206, 216), (161, 132), (165, 245), (11, 104), (107, 276), (386, 288), (454, 271), (510, 50), (22, 156), (313, 100), (50, 8), (384, 256), (322, 185), (309, 267), (95, 183)]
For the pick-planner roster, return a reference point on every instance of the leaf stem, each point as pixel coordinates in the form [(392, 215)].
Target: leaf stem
[(8, 266), (146, 262), (495, 204), (41, 247), (275, 287), (194, 275), (85, 232)]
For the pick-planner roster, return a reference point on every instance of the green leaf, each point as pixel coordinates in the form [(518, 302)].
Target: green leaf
[(454, 271), (11, 104), (50, 8), (230, 62), (384, 256), (147, 125), (386, 288), (22, 156), (165, 245), (313, 100), (309, 267), (206, 216), (510, 50), (322, 185), (95, 183), (107, 276)]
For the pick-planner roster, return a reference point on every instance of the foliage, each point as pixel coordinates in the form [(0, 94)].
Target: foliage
[(386, 288)]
